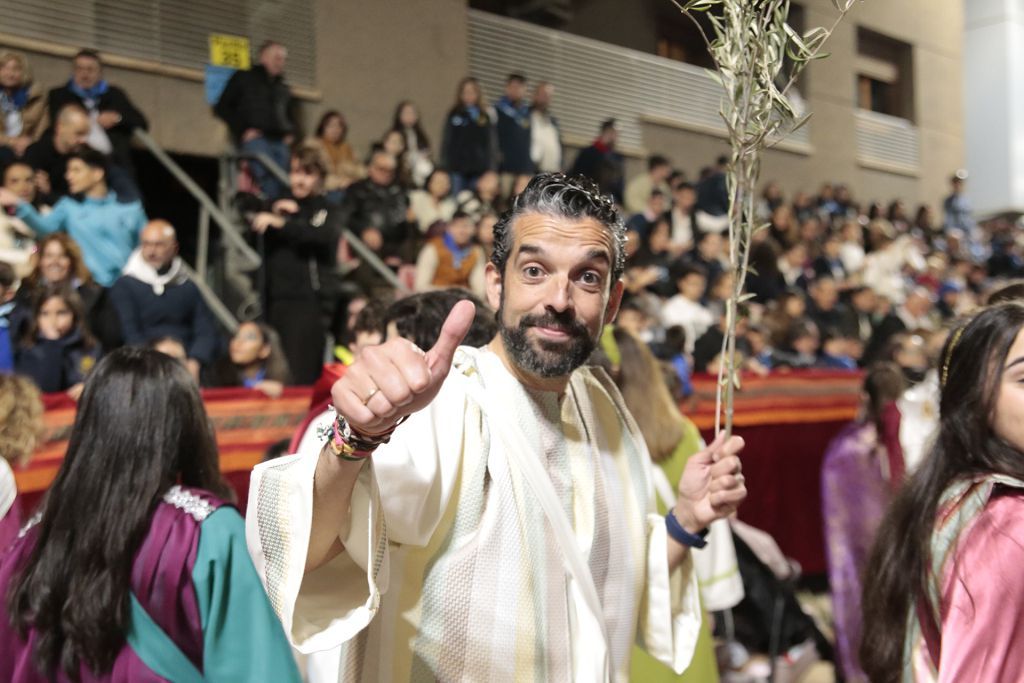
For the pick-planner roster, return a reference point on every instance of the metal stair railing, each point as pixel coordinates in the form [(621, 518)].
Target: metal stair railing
[(250, 260)]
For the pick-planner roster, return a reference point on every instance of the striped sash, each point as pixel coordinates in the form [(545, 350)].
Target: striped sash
[(959, 506)]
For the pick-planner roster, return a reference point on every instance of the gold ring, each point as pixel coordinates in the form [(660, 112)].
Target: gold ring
[(372, 394)]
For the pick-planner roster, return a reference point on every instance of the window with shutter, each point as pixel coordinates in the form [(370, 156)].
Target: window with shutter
[(171, 33)]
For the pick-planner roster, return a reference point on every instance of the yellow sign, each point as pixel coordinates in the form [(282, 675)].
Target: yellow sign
[(229, 51)]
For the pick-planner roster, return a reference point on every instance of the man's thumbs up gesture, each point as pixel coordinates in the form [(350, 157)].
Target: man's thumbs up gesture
[(397, 378)]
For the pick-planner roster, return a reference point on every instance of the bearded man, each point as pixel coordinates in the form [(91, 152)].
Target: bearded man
[(488, 514)]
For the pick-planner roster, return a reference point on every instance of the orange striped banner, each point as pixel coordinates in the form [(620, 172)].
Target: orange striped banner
[(798, 397)]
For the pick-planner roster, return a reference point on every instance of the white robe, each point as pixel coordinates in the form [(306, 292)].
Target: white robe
[(450, 569)]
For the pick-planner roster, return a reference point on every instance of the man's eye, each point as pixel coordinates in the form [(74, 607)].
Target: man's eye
[(532, 271), (590, 278)]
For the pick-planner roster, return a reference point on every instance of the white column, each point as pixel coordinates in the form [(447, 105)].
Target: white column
[(994, 104)]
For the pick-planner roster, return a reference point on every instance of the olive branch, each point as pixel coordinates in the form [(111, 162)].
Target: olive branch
[(759, 58)]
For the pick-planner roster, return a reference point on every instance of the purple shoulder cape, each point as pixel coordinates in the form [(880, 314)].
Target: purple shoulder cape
[(161, 580)]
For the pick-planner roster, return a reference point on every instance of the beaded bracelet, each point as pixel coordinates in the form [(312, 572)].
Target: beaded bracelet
[(676, 531), (348, 445)]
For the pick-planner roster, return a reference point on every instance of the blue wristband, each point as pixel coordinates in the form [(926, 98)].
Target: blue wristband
[(676, 531)]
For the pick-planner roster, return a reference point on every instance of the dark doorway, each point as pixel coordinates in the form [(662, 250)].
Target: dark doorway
[(165, 197)]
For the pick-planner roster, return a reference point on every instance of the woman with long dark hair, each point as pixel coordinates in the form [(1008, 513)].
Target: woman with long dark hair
[(417, 145), (56, 348), (136, 569), (944, 584), (255, 360), (336, 153)]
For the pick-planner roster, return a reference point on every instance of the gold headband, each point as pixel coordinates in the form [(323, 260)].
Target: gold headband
[(949, 353)]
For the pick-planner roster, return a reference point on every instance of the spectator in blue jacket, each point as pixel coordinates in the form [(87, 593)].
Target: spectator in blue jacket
[(155, 298), (106, 228), (469, 147), (514, 129), (7, 282)]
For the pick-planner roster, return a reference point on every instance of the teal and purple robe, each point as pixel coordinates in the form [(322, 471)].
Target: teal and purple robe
[(199, 612)]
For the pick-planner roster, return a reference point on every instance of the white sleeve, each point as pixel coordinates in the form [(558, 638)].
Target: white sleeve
[(670, 611), (335, 602)]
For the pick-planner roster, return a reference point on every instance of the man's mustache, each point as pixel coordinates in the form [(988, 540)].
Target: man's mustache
[(563, 322)]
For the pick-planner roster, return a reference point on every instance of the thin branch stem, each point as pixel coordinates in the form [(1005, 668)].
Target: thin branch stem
[(753, 110)]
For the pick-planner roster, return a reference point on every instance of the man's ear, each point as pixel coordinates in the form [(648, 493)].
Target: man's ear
[(614, 301), (494, 284)]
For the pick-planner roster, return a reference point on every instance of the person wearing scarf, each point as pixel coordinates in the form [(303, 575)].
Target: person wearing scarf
[(113, 115), (155, 298), (22, 106), (452, 259)]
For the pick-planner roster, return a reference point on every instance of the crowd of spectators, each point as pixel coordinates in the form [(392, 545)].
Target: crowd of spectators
[(836, 282)]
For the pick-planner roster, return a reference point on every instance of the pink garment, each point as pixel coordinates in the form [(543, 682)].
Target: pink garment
[(982, 630)]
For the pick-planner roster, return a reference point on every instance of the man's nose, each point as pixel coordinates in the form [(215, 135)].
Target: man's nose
[(559, 295)]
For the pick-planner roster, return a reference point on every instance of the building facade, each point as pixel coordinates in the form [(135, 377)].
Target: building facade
[(888, 106)]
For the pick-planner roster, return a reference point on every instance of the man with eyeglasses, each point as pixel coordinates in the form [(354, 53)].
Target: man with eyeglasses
[(377, 209)]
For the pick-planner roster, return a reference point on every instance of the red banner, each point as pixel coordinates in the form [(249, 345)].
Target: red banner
[(787, 420)]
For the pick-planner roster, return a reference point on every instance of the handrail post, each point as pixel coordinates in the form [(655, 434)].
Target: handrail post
[(217, 307), (228, 229), (203, 246), (367, 255)]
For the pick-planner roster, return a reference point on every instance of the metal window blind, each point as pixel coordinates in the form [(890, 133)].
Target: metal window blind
[(595, 80), (888, 140), (174, 33)]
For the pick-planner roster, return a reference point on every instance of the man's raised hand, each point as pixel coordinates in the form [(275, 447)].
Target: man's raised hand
[(712, 486), (398, 378)]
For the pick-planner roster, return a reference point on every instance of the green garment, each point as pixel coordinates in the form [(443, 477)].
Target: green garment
[(703, 668), (242, 637)]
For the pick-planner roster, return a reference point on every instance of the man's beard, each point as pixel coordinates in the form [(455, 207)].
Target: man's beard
[(544, 357)]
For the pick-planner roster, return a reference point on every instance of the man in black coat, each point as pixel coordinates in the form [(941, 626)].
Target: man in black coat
[(859, 316), (377, 209), (824, 308), (257, 106), (48, 157), (602, 164), (113, 117), (913, 314)]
